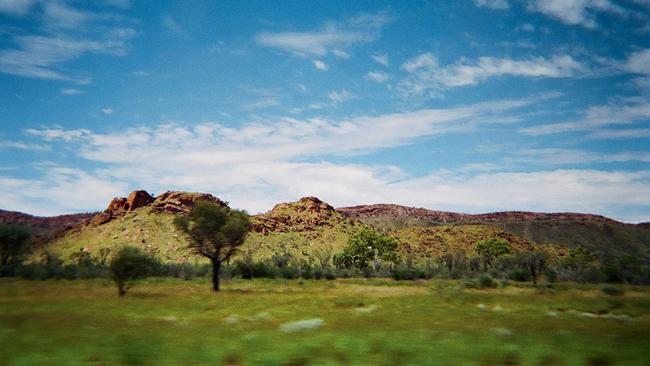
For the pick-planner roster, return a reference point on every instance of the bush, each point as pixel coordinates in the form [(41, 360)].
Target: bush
[(128, 265), (519, 275), (248, 270), (402, 272), (486, 281), (613, 291), (483, 281)]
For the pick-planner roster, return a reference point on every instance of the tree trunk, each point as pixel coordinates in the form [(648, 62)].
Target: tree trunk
[(216, 266)]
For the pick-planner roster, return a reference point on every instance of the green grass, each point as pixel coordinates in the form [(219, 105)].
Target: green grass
[(365, 322)]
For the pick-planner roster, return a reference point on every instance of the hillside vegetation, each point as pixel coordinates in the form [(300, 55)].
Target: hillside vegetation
[(599, 234), (306, 230)]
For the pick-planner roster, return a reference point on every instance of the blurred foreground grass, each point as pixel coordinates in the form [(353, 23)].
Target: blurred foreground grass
[(355, 321)]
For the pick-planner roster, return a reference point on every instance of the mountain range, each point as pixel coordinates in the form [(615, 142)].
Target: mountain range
[(312, 229)]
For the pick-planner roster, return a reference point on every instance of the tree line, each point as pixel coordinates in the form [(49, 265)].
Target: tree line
[(217, 233)]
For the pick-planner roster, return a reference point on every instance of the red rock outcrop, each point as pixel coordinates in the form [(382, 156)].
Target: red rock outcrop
[(119, 206), (306, 214), (182, 202), (168, 202)]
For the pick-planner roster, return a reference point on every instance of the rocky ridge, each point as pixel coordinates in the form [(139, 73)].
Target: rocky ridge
[(306, 214), (444, 217), (168, 202)]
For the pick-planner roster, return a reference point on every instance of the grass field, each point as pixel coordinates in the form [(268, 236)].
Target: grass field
[(355, 321)]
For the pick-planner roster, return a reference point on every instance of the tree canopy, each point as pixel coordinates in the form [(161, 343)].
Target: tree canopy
[(214, 232)]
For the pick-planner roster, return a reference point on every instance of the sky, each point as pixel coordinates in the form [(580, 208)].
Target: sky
[(468, 106)]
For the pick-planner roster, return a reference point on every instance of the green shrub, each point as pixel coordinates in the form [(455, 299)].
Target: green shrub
[(128, 265), (613, 291), (519, 275), (486, 281)]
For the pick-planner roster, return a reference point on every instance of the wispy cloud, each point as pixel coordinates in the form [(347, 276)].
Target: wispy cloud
[(21, 145), (559, 156), (258, 164), (575, 12), (620, 112), (428, 76), (381, 59), (639, 63), (71, 91), (332, 37), (493, 4), (377, 76), (320, 65), (172, 25), (16, 7), (63, 35), (340, 96)]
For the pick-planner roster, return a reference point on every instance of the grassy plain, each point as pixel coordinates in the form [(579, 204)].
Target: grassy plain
[(350, 321)]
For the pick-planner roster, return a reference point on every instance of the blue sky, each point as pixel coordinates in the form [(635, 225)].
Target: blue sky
[(469, 106)]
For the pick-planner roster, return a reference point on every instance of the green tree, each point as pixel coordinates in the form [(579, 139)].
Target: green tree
[(534, 262), (13, 244), (214, 232), (127, 265), (490, 249), (368, 246)]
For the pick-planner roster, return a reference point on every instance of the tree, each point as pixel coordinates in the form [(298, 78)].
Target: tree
[(534, 262), (490, 249), (128, 265), (368, 246), (214, 232), (13, 243)]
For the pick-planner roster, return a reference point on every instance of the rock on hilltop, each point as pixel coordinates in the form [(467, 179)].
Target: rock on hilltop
[(306, 214), (168, 202)]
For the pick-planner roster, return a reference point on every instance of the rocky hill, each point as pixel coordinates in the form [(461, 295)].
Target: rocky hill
[(310, 228), (600, 234), (139, 219), (46, 229)]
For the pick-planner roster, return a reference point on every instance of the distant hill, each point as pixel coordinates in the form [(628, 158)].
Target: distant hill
[(312, 229), (46, 229), (597, 233)]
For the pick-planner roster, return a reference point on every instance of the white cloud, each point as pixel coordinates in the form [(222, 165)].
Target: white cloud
[(59, 15), (621, 112), (428, 76), (261, 103), (557, 156), (639, 63), (424, 61), (527, 27), (107, 111), (259, 164), (377, 76), (493, 4), (340, 96), (575, 12), (381, 59), (332, 37), (37, 56), (341, 54), (60, 190), (21, 145), (16, 7), (172, 25), (320, 65), (41, 50), (628, 133), (50, 134), (71, 91)]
